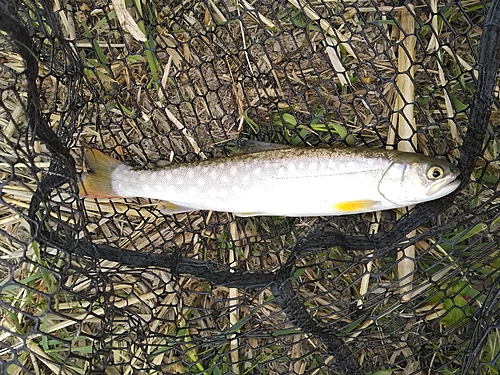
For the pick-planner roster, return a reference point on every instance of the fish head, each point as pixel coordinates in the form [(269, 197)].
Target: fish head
[(411, 179)]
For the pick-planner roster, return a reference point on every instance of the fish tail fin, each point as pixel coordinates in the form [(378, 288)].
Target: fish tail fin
[(96, 183)]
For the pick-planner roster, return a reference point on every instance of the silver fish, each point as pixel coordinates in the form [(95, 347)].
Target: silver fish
[(283, 181)]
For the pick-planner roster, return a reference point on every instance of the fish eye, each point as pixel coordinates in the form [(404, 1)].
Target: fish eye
[(435, 172)]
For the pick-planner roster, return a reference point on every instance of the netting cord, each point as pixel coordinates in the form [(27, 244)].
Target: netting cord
[(489, 63), (23, 41), (487, 322), (62, 166), (321, 237)]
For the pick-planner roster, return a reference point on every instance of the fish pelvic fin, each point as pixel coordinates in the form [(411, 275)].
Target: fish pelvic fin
[(355, 206), (169, 208), (96, 183), (247, 214)]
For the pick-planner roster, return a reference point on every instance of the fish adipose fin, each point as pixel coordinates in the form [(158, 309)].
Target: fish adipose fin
[(96, 183)]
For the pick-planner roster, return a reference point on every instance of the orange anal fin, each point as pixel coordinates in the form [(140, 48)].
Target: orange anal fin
[(96, 183), (355, 206)]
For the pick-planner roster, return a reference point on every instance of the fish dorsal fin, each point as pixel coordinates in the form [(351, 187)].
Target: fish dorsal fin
[(250, 146)]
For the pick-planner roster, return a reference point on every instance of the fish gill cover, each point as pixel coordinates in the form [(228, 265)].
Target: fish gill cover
[(114, 286)]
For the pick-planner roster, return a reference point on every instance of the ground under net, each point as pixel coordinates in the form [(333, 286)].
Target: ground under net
[(114, 286)]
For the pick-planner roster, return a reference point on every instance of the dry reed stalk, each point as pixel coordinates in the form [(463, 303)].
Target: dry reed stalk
[(404, 122)]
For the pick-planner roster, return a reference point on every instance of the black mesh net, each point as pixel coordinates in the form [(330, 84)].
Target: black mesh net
[(114, 286)]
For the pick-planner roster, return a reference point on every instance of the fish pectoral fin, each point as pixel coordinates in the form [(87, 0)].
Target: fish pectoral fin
[(169, 208), (356, 206)]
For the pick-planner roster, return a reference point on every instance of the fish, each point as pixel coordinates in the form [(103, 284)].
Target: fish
[(278, 181)]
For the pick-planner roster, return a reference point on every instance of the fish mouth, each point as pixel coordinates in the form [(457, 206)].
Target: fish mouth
[(445, 187)]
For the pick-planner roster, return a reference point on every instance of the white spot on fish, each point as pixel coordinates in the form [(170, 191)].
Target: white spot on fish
[(117, 187), (233, 171), (201, 182), (224, 179), (179, 181), (213, 173), (257, 171), (301, 165)]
